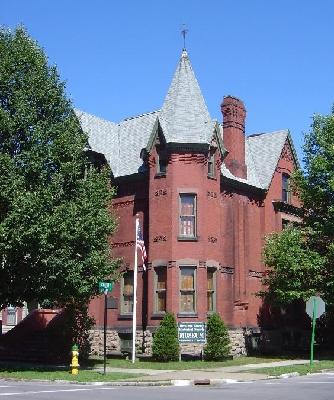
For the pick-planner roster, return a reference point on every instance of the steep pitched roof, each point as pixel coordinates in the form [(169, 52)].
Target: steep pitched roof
[(265, 150), (184, 116), (262, 154), (134, 134), (102, 136), (120, 143)]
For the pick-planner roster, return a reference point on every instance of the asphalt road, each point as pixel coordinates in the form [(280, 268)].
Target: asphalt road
[(315, 387)]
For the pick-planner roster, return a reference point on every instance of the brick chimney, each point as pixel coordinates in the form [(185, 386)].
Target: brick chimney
[(234, 114)]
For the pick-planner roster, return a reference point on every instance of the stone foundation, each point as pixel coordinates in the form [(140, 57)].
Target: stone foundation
[(96, 341), (238, 342), (191, 348), (144, 342)]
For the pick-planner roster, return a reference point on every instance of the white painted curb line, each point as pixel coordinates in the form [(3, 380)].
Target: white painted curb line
[(181, 382)]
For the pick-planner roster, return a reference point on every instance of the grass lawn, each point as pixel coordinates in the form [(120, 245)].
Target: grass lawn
[(302, 369), (52, 374), (179, 365)]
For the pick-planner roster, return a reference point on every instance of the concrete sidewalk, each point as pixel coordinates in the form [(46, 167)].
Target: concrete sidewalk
[(239, 373)]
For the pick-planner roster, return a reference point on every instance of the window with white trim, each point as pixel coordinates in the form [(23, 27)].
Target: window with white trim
[(187, 215)]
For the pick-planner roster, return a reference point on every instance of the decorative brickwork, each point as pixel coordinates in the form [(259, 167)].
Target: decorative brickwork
[(212, 195), (255, 274), (227, 270), (160, 238), (122, 204), (286, 153), (160, 192), (189, 158), (124, 244), (234, 113)]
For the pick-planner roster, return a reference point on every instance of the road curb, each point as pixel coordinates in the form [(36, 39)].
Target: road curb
[(284, 376), (289, 375), (118, 383)]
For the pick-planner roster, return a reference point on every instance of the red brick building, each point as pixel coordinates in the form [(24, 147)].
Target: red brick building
[(207, 195)]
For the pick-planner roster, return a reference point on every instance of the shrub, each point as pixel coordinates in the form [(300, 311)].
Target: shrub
[(218, 341), (165, 340)]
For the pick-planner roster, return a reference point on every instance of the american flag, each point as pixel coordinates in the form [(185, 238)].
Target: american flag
[(141, 245)]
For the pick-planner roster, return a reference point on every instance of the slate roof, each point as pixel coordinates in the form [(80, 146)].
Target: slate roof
[(262, 153), (184, 118), (120, 143)]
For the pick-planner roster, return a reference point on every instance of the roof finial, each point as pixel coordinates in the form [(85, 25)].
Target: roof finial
[(183, 33)]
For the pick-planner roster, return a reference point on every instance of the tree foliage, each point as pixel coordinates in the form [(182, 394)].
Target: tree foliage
[(295, 271), (165, 340), (316, 188), (218, 341), (54, 221), (301, 260)]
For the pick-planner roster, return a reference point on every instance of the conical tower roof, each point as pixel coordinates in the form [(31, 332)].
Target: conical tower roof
[(184, 116)]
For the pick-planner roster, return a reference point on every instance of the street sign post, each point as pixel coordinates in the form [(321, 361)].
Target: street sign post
[(315, 307), (105, 287)]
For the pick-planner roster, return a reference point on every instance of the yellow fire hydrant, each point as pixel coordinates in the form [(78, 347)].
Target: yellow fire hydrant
[(75, 360)]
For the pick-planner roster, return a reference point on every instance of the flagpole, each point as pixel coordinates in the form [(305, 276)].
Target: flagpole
[(134, 314)]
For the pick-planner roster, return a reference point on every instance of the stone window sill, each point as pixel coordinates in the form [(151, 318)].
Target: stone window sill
[(159, 315), (187, 239), (125, 316), (160, 175), (187, 315)]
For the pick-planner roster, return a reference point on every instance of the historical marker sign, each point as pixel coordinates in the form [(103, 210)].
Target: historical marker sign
[(192, 332)]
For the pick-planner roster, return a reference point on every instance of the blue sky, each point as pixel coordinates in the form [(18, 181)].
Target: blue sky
[(118, 57)]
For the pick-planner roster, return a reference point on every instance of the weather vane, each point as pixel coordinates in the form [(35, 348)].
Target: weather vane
[(183, 33)]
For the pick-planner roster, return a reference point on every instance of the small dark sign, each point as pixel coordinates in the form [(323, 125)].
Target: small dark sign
[(112, 303), (192, 332)]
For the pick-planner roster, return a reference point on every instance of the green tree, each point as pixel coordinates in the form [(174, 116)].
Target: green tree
[(316, 188), (295, 271), (301, 260), (165, 340), (54, 219), (217, 339)]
